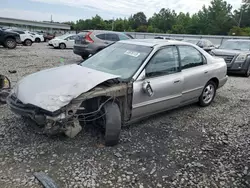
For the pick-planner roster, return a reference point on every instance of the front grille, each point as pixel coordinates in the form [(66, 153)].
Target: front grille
[(228, 59)]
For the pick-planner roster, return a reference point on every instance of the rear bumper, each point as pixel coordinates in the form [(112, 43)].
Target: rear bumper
[(82, 50), (222, 81), (236, 71)]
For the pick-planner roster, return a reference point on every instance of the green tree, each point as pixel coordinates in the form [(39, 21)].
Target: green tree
[(182, 24), (139, 19), (216, 19), (164, 20)]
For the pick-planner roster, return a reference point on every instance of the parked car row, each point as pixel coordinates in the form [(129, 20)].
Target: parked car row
[(10, 37)]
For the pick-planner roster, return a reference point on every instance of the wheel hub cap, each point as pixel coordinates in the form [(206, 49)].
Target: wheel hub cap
[(208, 94)]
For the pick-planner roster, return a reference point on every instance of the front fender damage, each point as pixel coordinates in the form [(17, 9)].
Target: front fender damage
[(87, 108)]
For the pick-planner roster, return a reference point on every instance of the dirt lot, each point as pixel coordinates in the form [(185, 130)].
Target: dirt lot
[(187, 147)]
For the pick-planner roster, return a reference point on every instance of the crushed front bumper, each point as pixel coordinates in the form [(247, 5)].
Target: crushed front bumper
[(48, 122)]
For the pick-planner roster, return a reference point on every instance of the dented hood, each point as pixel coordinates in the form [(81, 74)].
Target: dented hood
[(54, 88)]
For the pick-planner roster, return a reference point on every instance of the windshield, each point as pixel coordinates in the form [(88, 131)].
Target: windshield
[(236, 45), (119, 59)]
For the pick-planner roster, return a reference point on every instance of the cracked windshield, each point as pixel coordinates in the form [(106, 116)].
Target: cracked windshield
[(128, 94)]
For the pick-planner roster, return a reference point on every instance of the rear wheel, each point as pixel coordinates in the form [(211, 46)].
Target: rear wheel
[(208, 94), (112, 123), (62, 46), (10, 43), (27, 42), (38, 40)]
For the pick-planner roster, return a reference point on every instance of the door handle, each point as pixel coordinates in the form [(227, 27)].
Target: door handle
[(205, 72), (177, 81)]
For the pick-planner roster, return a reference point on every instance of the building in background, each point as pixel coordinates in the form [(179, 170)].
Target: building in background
[(50, 27)]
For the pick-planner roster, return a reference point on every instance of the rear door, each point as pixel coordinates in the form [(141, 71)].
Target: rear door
[(195, 72)]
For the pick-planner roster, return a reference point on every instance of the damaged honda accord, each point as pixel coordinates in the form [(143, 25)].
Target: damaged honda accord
[(123, 83)]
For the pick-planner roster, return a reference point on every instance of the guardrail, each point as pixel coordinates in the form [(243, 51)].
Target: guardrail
[(216, 39)]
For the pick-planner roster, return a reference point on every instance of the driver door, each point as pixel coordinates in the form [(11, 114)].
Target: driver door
[(163, 74)]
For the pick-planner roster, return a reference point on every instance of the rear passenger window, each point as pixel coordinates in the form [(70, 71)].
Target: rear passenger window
[(101, 36), (111, 37), (123, 37), (190, 57)]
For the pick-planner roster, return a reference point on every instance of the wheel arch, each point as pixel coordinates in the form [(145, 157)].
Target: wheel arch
[(215, 80), (63, 43)]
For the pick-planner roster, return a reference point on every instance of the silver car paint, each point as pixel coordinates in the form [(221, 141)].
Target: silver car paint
[(54, 88), (71, 81), (171, 94)]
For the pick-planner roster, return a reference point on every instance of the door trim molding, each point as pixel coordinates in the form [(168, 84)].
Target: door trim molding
[(155, 101)]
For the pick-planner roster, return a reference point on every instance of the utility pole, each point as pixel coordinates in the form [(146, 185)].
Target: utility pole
[(51, 18)]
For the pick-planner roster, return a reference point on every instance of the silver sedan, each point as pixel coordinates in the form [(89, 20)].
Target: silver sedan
[(123, 83)]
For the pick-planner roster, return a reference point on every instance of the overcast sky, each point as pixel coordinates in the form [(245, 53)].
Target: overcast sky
[(72, 10)]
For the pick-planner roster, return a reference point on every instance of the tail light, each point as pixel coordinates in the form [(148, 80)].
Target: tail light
[(88, 38)]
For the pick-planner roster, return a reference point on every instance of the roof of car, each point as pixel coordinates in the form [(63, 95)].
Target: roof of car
[(152, 42)]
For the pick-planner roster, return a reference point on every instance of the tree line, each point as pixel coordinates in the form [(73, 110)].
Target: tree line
[(218, 18)]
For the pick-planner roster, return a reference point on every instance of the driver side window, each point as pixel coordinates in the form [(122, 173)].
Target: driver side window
[(164, 62)]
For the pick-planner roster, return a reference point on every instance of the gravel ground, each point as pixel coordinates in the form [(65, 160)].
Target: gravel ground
[(188, 147)]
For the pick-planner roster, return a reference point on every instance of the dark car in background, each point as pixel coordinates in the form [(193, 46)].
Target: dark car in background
[(92, 41), (48, 36), (9, 39), (205, 44), (236, 53)]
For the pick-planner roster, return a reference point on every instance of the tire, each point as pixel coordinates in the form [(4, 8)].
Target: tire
[(27, 42), (46, 40), (10, 43), (3, 96), (208, 94), (38, 40), (85, 56), (62, 46), (247, 73), (112, 123)]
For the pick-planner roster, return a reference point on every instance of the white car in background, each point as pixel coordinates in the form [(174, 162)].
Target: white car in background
[(64, 41), (38, 37), (26, 38)]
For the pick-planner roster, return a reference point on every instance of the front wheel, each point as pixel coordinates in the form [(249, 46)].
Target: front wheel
[(112, 123), (247, 73), (208, 94)]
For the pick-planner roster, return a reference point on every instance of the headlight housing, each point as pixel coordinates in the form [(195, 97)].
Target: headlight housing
[(241, 57)]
